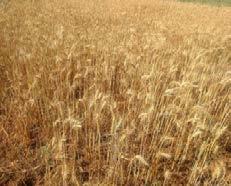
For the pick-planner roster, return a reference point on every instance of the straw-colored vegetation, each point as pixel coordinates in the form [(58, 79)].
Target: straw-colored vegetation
[(114, 92)]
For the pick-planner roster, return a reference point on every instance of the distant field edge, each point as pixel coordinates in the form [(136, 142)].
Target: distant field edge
[(211, 2)]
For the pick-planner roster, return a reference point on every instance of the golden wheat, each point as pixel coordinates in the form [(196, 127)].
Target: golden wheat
[(114, 93)]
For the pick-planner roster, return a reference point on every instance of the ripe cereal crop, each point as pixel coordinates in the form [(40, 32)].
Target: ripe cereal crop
[(112, 92)]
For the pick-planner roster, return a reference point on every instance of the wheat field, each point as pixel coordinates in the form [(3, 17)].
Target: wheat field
[(112, 92)]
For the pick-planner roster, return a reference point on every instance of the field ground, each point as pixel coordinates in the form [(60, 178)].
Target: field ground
[(112, 92)]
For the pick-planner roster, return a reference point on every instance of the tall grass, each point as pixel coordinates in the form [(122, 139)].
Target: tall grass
[(114, 93)]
